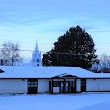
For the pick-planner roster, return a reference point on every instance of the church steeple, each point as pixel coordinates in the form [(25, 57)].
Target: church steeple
[(36, 47), (36, 57)]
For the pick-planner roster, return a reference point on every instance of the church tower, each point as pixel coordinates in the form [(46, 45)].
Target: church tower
[(36, 57)]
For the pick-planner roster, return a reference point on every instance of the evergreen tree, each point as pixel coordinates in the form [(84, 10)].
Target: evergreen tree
[(75, 48)]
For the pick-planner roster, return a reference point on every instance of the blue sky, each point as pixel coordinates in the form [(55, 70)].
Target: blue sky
[(26, 21)]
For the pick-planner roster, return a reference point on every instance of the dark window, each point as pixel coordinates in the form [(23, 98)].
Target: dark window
[(56, 84), (83, 85), (37, 64), (83, 82), (32, 83), (72, 83), (37, 60)]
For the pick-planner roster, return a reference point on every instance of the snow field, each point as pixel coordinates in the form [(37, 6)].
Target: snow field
[(81, 101)]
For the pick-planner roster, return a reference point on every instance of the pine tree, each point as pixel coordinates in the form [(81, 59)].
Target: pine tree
[(75, 48)]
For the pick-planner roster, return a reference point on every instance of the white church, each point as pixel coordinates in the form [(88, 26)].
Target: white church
[(36, 60), (36, 79)]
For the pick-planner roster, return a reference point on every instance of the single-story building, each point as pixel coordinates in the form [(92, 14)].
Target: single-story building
[(33, 80)]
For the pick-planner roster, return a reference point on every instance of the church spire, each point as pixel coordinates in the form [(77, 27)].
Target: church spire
[(36, 57), (36, 48)]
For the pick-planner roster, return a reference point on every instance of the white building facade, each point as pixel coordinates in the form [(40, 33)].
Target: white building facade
[(31, 80)]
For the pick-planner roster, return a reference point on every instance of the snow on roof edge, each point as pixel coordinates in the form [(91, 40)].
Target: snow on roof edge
[(47, 72)]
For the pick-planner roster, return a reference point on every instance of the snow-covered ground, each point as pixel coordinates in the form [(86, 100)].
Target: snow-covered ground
[(81, 101)]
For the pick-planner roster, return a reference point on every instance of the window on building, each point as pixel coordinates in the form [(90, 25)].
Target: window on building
[(71, 83), (37, 60), (83, 82), (56, 84), (83, 85), (37, 64), (32, 83)]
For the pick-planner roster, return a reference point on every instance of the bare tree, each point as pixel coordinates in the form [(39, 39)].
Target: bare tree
[(10, 54), (105, 63), (96, 67)]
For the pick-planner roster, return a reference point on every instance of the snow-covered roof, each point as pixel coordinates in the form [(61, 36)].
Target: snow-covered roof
[(47, 72)]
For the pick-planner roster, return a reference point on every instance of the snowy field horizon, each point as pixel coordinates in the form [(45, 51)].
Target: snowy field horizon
[(79, 101)]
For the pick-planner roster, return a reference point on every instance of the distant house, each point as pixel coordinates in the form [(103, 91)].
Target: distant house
[(34, 80)]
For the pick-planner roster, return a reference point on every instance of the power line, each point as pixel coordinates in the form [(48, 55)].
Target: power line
[(51, 52)]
